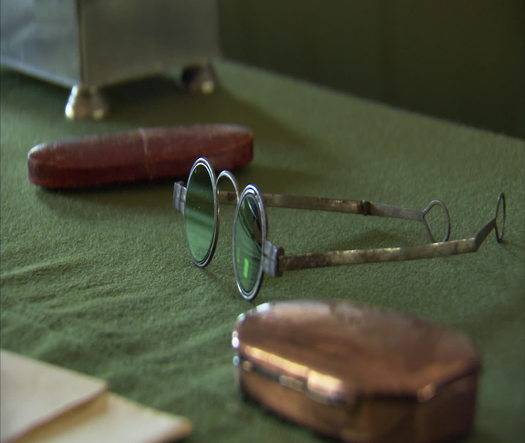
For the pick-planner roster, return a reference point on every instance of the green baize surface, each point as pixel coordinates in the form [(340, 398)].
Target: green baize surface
[(101, 281)]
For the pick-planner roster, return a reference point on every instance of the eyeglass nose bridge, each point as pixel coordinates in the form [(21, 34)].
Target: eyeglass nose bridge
[(217, 223), (224, 175), (228, 175)]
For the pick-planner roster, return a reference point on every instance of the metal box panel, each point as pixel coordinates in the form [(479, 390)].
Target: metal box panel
[(41, 38), (95, 43)]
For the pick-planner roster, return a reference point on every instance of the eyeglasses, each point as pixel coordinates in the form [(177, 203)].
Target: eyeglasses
[(254, 255)]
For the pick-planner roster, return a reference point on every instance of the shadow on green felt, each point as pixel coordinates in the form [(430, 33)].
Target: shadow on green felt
[(154, 101), (160, 101)]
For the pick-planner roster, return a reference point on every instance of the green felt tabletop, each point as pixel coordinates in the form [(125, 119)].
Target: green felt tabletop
[(101, 281)]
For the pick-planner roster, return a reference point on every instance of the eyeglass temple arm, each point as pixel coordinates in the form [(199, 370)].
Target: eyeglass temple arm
[(356, 256), (362, 207)]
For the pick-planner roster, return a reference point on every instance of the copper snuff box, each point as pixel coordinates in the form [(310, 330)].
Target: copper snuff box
[(357, 373)]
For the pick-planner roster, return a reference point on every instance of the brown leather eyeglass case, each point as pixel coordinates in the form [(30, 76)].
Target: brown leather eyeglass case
[(357, 373)]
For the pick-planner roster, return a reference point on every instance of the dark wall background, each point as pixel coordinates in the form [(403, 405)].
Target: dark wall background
[(455, 59)]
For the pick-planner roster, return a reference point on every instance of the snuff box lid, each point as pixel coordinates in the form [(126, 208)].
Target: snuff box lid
[(341, 351)]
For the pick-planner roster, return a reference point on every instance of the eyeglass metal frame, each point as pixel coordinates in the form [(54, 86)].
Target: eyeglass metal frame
[(273, 259)]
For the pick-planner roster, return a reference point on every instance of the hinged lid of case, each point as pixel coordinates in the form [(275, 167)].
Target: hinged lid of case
[(339, 351)]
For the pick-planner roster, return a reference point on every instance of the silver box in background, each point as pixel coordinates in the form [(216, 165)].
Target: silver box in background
[(89, 44)]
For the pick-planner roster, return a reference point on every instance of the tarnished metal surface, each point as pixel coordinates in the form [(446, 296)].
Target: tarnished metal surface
[(356, 372), (102, 42), (90, 44), (179, 197), (274, 261), (271, 256), (360, 207), (431, 250)]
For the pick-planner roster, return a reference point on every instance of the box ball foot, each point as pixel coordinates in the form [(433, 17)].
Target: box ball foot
[(86, 102)]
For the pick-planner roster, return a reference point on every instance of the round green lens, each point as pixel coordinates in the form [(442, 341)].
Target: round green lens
[(248, 239), (199, 214)]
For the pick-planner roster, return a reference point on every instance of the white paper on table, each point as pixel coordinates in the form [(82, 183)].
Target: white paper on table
[(41, 402), (33, 393)]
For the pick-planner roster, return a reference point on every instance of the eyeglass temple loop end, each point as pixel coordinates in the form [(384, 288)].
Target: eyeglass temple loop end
[(425, 212), (500, 232)]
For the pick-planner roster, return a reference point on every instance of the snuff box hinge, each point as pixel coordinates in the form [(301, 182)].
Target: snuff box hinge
[(292, 383), (284, 380)]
